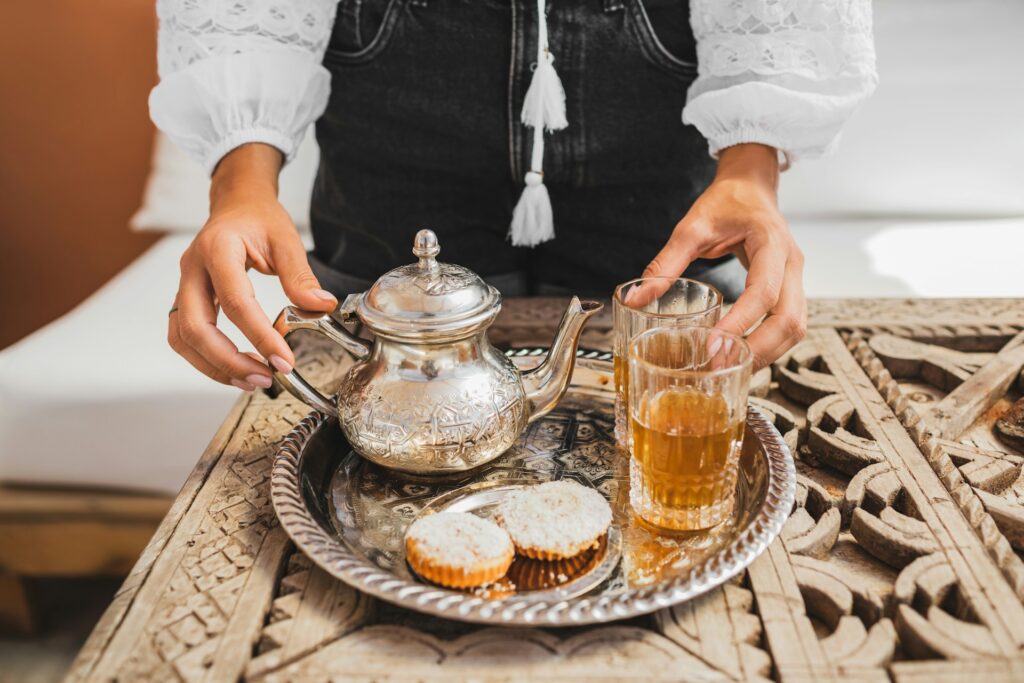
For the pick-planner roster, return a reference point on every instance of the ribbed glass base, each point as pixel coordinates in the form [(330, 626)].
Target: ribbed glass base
[(663, 507)]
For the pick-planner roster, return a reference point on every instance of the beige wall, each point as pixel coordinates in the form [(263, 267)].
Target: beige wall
[(74, 150)]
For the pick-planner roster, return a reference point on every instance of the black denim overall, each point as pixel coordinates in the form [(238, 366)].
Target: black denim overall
[(422, 131)]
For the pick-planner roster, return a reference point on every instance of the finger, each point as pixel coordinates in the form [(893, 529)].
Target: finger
[(288, 258), (787, 322), (200, 363), (682, 249), (719, 349), (238, 301), (763, 288), (197, 328), (175, 341)]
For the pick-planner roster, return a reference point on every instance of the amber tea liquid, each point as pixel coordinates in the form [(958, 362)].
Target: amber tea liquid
[(685, 452), (620, 376)]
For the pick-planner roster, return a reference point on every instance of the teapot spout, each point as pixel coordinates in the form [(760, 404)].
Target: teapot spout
[(546, 384)]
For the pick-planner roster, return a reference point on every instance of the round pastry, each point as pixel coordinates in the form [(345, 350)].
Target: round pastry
[(458, 550), (556, 520)]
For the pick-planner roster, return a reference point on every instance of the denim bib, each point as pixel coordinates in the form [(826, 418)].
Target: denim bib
[(423, 130)]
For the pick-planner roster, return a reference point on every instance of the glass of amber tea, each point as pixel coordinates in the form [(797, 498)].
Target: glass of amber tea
[(648, 302), (687, 407)]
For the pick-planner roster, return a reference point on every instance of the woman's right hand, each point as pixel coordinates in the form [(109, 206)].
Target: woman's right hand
[(247, 228)]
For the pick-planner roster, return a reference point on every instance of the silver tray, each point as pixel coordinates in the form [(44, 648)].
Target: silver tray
[(349, 516)]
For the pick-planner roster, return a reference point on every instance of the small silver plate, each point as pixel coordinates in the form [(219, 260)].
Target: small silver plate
[(350, 516), (533, 579)]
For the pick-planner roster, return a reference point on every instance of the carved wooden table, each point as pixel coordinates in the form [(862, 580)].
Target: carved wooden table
[(901, 560)]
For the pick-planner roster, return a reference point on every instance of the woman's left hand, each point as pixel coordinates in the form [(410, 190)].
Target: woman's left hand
[(739, 214)]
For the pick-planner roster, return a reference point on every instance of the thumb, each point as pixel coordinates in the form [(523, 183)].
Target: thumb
[(289, 260), (683, 247)]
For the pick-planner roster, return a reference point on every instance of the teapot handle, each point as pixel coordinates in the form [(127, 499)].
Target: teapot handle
[(291, 319)]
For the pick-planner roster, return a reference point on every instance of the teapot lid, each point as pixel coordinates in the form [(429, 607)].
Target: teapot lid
[(428, 300)]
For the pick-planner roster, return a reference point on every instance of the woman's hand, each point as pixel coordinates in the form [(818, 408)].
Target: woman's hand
[(248, 228), (739, 214)]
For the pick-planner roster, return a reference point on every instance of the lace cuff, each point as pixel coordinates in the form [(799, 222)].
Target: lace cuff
[(214, 105), (799, 124)]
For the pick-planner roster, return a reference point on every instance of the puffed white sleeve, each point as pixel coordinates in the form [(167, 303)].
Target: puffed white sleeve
[(787, 73), (238, 72)]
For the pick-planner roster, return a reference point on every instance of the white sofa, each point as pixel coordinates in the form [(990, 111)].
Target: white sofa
[(924, 198), (97, 398)]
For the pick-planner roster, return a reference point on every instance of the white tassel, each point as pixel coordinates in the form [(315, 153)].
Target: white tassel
[(532, 220), (544, 105), (543, 108)]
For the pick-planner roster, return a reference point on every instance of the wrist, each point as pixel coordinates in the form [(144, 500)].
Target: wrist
[(750, 162), (246, 173)]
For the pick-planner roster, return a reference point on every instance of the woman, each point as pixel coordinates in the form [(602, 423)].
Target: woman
[(542, 142)]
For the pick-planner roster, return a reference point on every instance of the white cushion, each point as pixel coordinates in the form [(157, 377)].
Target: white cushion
[(944, 133), (177, 192), (97, 398)]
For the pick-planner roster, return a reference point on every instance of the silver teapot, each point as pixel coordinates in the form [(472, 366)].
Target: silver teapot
[(430, 395)]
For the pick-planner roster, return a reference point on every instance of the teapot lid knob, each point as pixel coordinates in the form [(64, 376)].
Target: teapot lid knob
[(426, 248)]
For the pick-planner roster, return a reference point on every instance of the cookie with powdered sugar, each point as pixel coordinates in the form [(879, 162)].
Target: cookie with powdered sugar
[(458, 550), (555, 520)]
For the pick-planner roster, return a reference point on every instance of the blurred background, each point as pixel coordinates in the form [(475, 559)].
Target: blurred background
[(100, 422)]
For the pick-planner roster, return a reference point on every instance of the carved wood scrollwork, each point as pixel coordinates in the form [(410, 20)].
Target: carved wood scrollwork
[(814, 526)]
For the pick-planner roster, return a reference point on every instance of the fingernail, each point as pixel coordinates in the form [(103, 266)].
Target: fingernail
[(244, 386), (728, 346), (280, 364), (259, 380), (716, 344), (323, 294)]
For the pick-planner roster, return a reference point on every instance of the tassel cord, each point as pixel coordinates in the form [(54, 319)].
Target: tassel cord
[(543, 109)]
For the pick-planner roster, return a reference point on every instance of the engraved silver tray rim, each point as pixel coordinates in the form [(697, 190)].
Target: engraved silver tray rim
[(297, 521)]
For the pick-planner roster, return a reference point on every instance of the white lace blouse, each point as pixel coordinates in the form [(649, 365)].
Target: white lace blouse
[(785, 73)]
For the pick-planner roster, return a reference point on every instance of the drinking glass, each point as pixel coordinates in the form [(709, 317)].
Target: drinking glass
[(648, 302), (687, 407)]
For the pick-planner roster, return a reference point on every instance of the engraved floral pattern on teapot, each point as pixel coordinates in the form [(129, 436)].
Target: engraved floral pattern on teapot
[(444, 280), (454, 428)]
